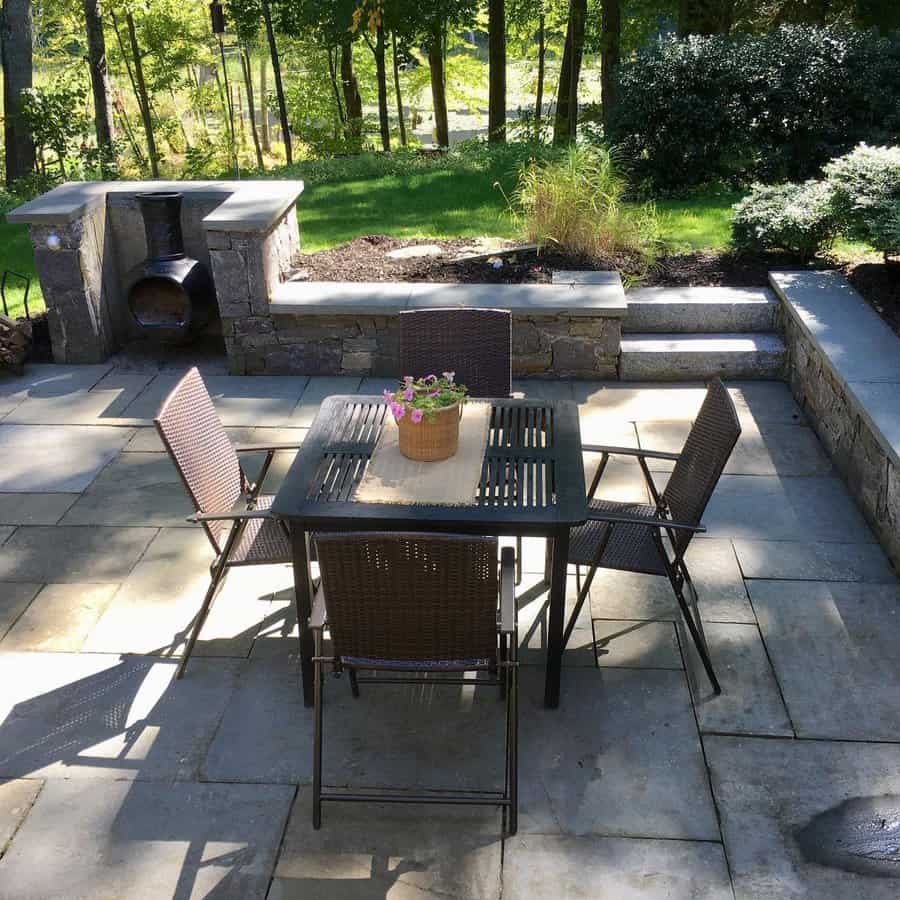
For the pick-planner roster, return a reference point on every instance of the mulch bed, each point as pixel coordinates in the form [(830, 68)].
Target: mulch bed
[(365, 259)]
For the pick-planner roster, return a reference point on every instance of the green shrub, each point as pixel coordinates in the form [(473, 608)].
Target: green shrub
[(798, 218), (575, 203), (773, 107), (866, 189)]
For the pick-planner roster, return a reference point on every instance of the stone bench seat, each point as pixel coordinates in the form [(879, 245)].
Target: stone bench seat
[(340, 328), (606, 299)]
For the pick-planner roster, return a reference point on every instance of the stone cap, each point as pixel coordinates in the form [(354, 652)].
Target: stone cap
[(857, 346), (250, 206), (606, 300)]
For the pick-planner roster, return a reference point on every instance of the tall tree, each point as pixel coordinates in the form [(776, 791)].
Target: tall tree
[(435, 42), (395, 62), (541, 71), (496, 70), (378, 49), (15, 53), (96, 47), (350, 89), (279, 87), (610, 54), (566, 122)]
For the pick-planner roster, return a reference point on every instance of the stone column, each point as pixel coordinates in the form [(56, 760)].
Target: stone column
[(247, 267), (74, 271)]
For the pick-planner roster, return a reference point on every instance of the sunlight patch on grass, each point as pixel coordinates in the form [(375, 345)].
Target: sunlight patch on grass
[(17, 255)]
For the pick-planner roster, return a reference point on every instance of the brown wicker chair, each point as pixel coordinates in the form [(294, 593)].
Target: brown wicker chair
[(630, 536), (474, 343), (417, 604), (233, 512)]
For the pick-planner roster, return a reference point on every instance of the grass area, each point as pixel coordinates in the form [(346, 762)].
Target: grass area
[(700, 222), (16, 254)]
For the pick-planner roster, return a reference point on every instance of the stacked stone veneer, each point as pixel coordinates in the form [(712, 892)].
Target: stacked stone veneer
[(277, 344), (846, 424)]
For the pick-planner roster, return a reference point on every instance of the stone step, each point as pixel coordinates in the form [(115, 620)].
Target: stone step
[(700, 310), (686, 357)]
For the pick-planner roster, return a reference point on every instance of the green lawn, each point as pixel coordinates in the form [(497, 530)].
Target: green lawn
[(700, 222), (16, 254)]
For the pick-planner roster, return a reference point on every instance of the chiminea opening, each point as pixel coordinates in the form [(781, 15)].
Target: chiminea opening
[(171, 296)]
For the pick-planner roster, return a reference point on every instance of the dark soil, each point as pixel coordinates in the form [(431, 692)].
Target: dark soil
[(879, 283), (365, 259)]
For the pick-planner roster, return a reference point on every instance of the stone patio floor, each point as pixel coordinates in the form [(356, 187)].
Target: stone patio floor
[(119, 782)]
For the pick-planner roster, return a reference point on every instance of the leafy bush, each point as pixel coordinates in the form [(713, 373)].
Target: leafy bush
[(575, 202), (772, 107), (798, 218), (865, 185)]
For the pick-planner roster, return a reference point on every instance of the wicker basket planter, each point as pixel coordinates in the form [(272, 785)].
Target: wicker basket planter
[(435, 437)]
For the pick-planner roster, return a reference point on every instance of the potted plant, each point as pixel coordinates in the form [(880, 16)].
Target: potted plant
[(427, 412)]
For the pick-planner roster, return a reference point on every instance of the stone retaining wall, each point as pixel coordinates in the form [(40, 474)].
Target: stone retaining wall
[(860, 450), (562, 345)]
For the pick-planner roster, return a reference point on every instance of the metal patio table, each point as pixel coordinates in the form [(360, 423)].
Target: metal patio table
[(532, 484)]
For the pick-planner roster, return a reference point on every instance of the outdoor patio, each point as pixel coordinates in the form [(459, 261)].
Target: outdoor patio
[(121, 782)]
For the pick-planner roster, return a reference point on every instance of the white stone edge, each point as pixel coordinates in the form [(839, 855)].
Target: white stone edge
[(892, 450), (272, 199), (392, 297)]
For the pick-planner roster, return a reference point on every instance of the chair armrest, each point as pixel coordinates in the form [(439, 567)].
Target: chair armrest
[(230, 516), (507, 591), (628, 451), (317, 616), (613, 519), (255, 448)]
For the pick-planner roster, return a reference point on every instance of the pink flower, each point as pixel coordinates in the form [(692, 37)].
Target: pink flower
[(398, 409), (430, 378), (388, 396), (408, 379), (435, 394), (409, 394), (449, 376), (416, 416)]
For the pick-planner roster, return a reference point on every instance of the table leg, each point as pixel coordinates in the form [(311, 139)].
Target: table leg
[(303, 599), (559, 565)]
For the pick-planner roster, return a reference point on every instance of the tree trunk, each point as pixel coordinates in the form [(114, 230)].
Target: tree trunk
[(381, 74), (438, 93), (143, 98), (539, 93), (279, 88), (332, 74), (251, 106), (96, 46), (400, 119), (566, 123), (15, 51), (264, 104), (497, 70), (350, 88), (610, 54)]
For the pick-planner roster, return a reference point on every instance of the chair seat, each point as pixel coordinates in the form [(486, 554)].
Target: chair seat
[(631, 548), (263, 540)]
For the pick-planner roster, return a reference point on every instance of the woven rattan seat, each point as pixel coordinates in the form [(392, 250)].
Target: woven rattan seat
[(234, 512), (629, 548), (408, 607), (652, 540)]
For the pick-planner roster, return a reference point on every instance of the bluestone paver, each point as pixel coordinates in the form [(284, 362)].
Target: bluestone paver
[(814, 561), (591, 867), (317, 389), (94, 716), (834, 649), (768, 791), (14, 600), (44, 553), (134, 489), (56, 458), (750, 702), (59, 618), (765, 403), (620, 756), (636, 645), (389, 850), (34, 509), (16, 797), (145, 841)]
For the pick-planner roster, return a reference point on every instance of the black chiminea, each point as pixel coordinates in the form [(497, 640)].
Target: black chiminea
[(169, 294)]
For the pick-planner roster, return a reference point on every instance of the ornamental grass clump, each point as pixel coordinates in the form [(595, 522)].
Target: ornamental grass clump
[(423, 398), (575, 203)]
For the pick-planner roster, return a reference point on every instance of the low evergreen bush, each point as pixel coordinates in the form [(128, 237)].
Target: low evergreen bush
[(797, 218)]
